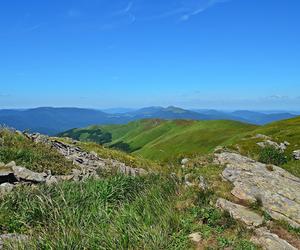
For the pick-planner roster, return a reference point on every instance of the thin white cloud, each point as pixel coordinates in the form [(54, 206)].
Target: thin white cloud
[(33, 28)]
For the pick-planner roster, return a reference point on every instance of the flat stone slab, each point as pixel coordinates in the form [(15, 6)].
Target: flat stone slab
[(275, 188), (270, 241), (240, 213)]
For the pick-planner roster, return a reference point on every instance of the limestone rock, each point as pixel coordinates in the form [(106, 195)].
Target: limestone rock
[(269, 241), (296, 154), (24, 174), (196, 238), (282, 146), (12, 239), (7, 173), (203, 185), (6, 188), (184, 161), (278, 190), (240, 213)]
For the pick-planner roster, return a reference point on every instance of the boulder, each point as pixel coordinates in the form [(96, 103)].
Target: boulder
[(278, 191), (24, 174), (270, 241), (240, 213), (296, 154)]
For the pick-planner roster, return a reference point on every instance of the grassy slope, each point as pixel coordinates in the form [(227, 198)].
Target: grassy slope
[(167, 140), (18, 148), (120, 212)]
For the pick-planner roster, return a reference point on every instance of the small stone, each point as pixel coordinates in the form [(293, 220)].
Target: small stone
[(6, 188), (195, 237), (296, 154), (184, 161), (203, 185)]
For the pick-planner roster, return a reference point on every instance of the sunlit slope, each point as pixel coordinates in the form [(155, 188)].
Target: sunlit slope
[(165, 139)]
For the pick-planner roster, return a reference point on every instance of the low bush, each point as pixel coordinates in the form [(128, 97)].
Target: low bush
[(272, 155)]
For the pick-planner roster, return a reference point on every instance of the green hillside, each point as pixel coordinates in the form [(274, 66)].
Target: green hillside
[(165, 139)]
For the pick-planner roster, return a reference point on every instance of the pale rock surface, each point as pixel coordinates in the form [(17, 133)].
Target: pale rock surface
[(240, 213), (277, 190), (270, 241)]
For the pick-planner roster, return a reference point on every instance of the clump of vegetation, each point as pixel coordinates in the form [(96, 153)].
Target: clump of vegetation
[(272, 155), (96, 135), (37, 157)]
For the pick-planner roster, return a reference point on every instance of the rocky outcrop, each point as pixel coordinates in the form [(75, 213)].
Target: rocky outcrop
[(89, 163), (240, 213), (270, 241), (296, 154), (282, 146), (276, 189)]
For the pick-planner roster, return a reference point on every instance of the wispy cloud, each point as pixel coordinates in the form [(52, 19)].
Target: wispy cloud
[(33, 28)]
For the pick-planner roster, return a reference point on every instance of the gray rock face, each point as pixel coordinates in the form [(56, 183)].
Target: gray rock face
[(296, 154), (269, 241), (277, 189), (240, 213)]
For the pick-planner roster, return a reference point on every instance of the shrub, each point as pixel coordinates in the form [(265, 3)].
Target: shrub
[(272, 155)]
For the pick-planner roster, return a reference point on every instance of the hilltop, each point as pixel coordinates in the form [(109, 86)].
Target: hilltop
[(51, 121), (162, 139)]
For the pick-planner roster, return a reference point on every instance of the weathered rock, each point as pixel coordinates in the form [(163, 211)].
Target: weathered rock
[(6, 188), (24, 174), (196, 238), (7, 173), (184, 161), (261, 136), (240, 213), (189, 179), (277, 190), (203, 185), (270, 241), (282, 146), (296, 154), (51, 180), (12, 239)]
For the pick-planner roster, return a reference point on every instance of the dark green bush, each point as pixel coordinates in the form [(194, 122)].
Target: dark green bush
[(272, 155)]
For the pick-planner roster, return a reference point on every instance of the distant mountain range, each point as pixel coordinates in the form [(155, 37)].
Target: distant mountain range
[(52, 121)]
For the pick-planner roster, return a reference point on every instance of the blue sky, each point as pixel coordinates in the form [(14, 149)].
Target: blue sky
[(191, 53)]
